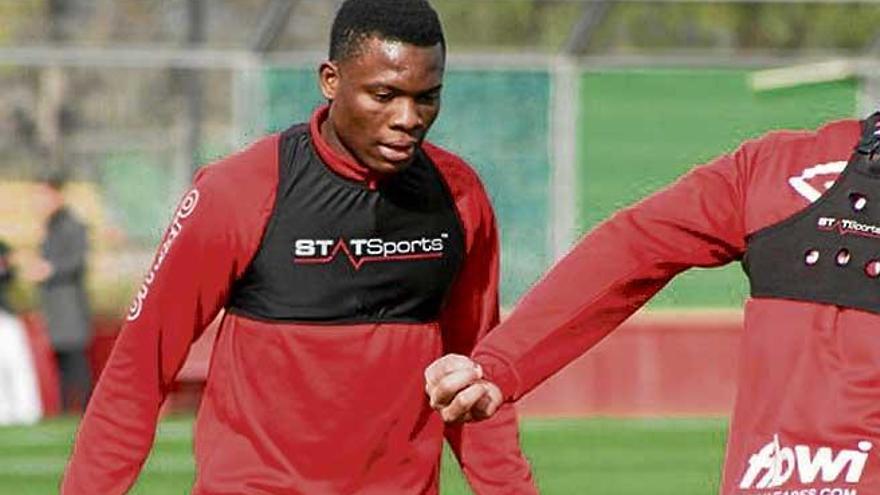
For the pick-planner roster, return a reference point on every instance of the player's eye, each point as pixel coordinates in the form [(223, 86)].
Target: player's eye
[(428, 98), (383, 96)]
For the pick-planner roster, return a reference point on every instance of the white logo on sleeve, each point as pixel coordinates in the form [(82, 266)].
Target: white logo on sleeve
[(775, 464), (187, 206), (815, 180)]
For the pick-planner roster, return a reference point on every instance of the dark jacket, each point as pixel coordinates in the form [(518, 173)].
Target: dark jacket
[(6, 276), (63, 294)]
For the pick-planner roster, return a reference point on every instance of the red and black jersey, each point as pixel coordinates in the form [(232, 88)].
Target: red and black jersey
[(340, 287), (807, 414)]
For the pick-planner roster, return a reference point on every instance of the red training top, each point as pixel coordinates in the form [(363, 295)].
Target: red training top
[(339, 290)]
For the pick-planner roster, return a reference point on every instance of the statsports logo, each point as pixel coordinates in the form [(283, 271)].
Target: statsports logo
[(361, 251), (776, 464), (849, 226)]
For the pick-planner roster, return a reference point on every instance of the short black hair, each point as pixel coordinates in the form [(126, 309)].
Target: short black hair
[(54, 178), (408, 21)]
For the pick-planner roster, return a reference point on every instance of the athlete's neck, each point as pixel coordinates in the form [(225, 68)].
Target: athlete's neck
[(333, 152)]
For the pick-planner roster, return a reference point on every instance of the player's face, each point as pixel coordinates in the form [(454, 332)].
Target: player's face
[(383, 100), (47, 200)]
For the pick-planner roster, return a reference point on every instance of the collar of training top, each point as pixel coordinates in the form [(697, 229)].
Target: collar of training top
[(869, 144), (341, 165)]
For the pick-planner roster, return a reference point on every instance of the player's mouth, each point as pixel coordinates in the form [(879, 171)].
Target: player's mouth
[(398, 151)]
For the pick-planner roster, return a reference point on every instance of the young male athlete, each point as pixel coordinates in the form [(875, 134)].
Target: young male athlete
[(348, 254), (801, 210)]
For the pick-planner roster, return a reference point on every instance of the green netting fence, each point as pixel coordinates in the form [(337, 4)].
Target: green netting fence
[(637, 130), (640, 129)]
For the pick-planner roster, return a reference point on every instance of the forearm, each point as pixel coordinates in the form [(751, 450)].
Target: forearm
[(615, 270), (116, 433), (579, 303), (490, 456)]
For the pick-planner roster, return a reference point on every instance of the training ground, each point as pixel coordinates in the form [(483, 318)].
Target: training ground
[(569, 456), (641, 413)]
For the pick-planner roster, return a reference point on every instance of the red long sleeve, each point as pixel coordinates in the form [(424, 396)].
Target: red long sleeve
[(488, 452), (804, 417), (212, 237), (616, 268)]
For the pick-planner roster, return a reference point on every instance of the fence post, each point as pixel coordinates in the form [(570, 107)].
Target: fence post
[(565, 98), (249, 101)]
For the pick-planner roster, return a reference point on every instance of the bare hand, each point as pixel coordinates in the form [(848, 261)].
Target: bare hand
[(37, 271), (456, 388)]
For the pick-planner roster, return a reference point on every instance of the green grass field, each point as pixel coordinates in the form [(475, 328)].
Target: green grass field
[(569, 456)]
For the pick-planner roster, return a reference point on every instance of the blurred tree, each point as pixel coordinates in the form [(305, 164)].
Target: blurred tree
[(543, 25), (13, 15), (745, 27)]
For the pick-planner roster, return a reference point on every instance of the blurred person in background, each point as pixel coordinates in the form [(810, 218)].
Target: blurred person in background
[(801, 210), (19, 389), (60, 272), (348, 253)]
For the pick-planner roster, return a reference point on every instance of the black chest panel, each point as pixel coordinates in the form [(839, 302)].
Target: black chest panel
[(829, 252), (336, 251)]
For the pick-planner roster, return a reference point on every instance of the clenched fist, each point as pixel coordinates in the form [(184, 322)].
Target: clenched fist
[(456, 388)]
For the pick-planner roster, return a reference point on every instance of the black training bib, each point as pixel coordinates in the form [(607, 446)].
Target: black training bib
[(830, 252), (337, 251)]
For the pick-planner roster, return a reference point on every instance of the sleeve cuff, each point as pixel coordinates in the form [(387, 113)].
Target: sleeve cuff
[(499, 372)]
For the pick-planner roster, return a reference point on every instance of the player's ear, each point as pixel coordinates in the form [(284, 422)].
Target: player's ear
[(328, 78)]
